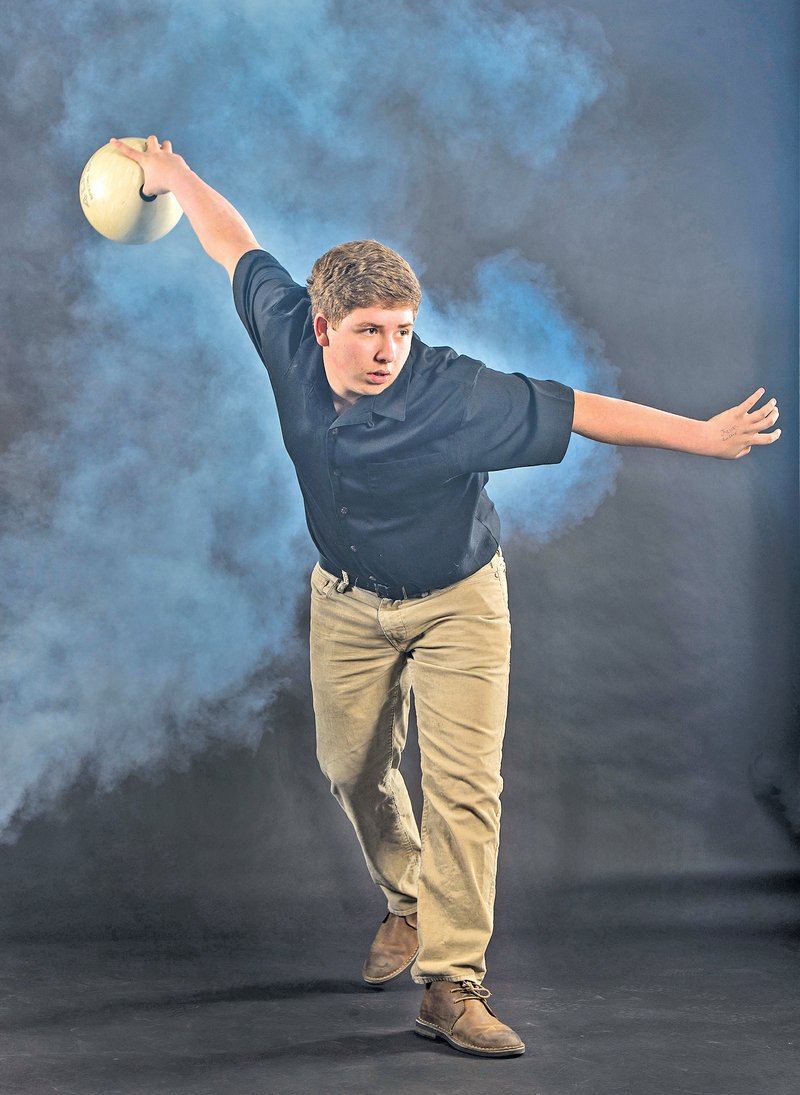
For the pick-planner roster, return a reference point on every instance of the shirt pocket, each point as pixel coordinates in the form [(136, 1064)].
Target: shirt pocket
[(403, 486)]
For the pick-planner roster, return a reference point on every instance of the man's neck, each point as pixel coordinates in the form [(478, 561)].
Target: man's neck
[(340, 403)]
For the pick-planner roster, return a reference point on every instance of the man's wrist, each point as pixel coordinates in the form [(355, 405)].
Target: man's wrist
[(708, 439), (181, 178)]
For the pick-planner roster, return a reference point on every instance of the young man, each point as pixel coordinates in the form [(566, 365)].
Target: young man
[(392, 441)]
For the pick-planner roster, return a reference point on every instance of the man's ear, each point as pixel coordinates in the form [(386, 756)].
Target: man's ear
[(321, 326)]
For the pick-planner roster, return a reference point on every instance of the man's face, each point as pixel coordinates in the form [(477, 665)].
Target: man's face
[(365, 353)]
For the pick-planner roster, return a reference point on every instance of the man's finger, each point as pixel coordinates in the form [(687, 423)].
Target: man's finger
[(762, 413), (751, 401), (126, 149), (765, 438), (758, 425), (166, 146)]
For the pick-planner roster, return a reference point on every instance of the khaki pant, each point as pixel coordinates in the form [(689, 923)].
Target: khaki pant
[(452, 646)]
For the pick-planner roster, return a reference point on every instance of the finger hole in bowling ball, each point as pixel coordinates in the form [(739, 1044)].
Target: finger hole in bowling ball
[(146, 197)]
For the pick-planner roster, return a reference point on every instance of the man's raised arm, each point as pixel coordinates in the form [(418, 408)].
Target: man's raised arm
[(728, 435), (222, 231)]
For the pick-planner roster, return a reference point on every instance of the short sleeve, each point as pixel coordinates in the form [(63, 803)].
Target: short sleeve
[(272, 306), (514, 421)]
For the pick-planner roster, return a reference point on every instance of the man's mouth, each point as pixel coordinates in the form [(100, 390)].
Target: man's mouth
[(377, 375)]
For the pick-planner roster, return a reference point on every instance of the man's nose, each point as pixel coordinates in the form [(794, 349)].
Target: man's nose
[(387, 352)]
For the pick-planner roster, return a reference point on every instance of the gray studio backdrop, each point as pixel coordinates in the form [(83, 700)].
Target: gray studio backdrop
[(604, 193)]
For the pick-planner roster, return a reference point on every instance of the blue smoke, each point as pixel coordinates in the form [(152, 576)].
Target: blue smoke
[(157, 547)]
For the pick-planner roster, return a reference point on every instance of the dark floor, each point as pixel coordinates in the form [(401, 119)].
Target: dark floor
[(691, 1013)]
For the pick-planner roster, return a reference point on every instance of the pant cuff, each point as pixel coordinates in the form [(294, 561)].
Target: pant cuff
[(402, 912), (456, 978)]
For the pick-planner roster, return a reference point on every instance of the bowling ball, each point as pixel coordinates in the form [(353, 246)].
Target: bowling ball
[(112, 199)]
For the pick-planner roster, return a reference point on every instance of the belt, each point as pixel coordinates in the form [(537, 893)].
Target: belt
[(348, 580)]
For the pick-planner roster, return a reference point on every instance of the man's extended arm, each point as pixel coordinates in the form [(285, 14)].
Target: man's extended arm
[(222, 231), (728, 435)]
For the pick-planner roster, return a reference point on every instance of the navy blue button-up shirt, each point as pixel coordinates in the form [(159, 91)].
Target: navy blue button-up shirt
[(394, 485)]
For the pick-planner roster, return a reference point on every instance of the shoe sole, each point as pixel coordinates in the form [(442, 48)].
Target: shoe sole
[(425, 1030), (389, 976)]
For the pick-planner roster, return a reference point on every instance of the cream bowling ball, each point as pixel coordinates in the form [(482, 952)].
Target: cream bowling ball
[(111, 198)]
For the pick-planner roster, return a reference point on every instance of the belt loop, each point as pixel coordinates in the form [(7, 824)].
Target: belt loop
[(343, 585)]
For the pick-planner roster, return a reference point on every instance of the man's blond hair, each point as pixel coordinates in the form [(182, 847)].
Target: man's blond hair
[(361, 274)]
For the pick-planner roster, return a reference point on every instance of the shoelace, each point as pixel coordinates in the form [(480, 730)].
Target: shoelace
[(471, 991)]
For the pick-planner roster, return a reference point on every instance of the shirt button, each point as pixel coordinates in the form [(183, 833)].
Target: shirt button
[(343, 510), (337, 473), (353, 547), (334, 431)]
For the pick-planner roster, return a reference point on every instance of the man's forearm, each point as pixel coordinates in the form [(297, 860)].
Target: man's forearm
[(221, 229), (618, 422)]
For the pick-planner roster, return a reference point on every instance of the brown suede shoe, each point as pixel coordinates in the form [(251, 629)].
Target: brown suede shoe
[(393, 949), (457, 1012)]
